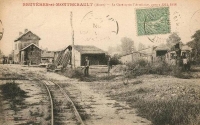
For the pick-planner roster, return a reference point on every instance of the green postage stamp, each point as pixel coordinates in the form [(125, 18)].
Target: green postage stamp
[(153, 21)]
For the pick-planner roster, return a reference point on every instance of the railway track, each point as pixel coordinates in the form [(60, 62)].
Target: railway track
[(63, 110)]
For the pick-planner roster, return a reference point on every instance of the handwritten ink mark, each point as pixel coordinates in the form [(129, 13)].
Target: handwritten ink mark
[(111, 19)]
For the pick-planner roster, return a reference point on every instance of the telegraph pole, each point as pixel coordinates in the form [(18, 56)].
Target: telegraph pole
[(73, 55)]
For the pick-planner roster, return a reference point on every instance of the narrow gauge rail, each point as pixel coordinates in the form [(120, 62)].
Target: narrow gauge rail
[(63, 110)]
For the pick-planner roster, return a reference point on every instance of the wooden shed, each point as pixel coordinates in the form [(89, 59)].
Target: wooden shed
[(94, 54), (30, 55)]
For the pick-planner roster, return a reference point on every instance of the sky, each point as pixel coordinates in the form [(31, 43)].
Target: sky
[(98, 25)]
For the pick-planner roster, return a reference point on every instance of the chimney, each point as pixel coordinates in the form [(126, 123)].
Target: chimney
[(26, 30), (20, 33)]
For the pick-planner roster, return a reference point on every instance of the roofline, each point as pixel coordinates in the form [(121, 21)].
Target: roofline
[(136, 52), (139, 51), (92, 53), (30, 45), (47, 56), (86, 45), (144, 49), (25, 34), (162, 49)]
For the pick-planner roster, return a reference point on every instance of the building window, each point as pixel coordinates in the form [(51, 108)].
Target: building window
[(32, 48), (173, 56)]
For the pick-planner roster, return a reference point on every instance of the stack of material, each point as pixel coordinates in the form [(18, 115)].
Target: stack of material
[(59, 58), (62, 60)]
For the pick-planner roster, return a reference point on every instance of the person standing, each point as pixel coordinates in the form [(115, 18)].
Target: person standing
[(87, 64), (28, 62), (185, 62), (3, 60), (188, 63), (109, 64)]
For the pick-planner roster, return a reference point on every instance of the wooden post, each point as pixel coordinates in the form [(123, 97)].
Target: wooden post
[(73, 55)]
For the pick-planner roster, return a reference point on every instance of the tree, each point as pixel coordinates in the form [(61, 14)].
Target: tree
[(127, 45), (174, 42), (195, 44), (113, 50), (141, 46), (173, 39), (115, 60)]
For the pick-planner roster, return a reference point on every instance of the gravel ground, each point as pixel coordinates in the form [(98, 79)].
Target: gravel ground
[(107, 102), (98, 109), (35, 107)]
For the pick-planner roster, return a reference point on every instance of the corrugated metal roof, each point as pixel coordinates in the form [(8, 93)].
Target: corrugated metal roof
[(88, 49)]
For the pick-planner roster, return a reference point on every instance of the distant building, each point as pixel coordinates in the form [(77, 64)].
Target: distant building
[(145, 54), (5, 60), (159, 52), (26, 48), (94, 54), (171, 55), (47, 56), (30, 55)]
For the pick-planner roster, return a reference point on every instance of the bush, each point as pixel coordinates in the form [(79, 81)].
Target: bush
[(141, 67), (73, 73), (138, 64), (115, 60), (160, 68), (137, 68), (142, 63), (196, 61)]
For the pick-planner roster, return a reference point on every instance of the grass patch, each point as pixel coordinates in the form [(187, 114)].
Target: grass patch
[(116, 105), (48, 117), (36, 114), (82, 112), (141, 90), (78, 74), (137, 82), (14, 94), (162, 112), (182, 109), (12, 91), (72, 73)]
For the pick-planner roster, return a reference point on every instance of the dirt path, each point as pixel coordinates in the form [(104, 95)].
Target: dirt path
[(99, 109), (105, 111)]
